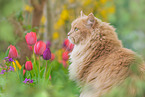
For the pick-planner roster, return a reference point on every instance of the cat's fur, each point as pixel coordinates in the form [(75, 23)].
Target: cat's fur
[(99, 61)]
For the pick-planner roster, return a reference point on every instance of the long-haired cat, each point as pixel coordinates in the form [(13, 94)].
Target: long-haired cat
[(99, 61)]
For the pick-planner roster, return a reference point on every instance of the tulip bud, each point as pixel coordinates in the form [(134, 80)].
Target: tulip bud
[(31, 38), (65, 56), (52, 56), (39, 48), (12, 52), (28, 65), (47, 54)]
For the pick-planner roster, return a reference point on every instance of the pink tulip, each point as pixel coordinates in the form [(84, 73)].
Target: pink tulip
[(31, 38), (12, 52), (66, 42), (24, 71), (65, 56), (71, 46), (68, 45), (28, 65), (65, 65), (50, 77), (39, 48)]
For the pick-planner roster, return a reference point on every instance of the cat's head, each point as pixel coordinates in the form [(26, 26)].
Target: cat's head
[(81, 28)]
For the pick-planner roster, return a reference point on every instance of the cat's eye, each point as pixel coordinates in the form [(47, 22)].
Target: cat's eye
[(76, 29)]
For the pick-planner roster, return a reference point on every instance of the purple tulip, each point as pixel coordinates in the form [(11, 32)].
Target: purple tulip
[(47, 54)]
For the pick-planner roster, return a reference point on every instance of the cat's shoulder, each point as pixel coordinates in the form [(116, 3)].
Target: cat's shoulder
[(122, 56)]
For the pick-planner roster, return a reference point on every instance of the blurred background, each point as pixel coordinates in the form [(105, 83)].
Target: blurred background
[(51, 20)]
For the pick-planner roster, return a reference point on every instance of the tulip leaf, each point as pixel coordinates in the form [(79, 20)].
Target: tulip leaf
[(21, 73), (49, 68), (7, 53), (27, 58), (42, 72)]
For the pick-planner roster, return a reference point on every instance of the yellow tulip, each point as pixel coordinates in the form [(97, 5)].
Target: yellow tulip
[(18, 65)]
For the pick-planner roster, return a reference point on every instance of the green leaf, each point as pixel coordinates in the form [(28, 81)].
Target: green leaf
[(42, 72), (7, 53)]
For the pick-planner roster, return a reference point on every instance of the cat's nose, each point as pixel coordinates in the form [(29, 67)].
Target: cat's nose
[(68, 34)]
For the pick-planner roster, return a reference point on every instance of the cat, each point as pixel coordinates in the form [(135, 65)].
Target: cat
[(99, 62)]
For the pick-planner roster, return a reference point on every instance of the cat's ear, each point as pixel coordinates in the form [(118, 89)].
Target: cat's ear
[(82, 14), (91, 20)]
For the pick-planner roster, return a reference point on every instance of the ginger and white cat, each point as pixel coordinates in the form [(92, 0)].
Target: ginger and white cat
[(99, 61)]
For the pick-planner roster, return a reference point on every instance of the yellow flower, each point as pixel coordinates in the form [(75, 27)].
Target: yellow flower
[(111, 9), (14, 65), (55, 35), (64, 15), (103, 1), (43, 19), (59, 23), (87, 2), (18, 65), (103, 13), (28, 8)]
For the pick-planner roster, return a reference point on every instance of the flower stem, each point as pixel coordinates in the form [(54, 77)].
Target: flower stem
[(46, 69)]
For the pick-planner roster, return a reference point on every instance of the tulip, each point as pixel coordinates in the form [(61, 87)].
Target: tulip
[(31, 38), (65, 56), (24, 71), (68, 45), (39, 48), (48, 44), (66, 42), (12, 52), (50, 77), (28, 65), (47, 54), (64, 64), (52, 56)]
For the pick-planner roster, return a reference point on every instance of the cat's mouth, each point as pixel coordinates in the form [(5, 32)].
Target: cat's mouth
[(71, 39)]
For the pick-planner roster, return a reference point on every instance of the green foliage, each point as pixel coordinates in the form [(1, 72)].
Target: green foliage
[(6, 31), (11, 83), (7, 8)]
